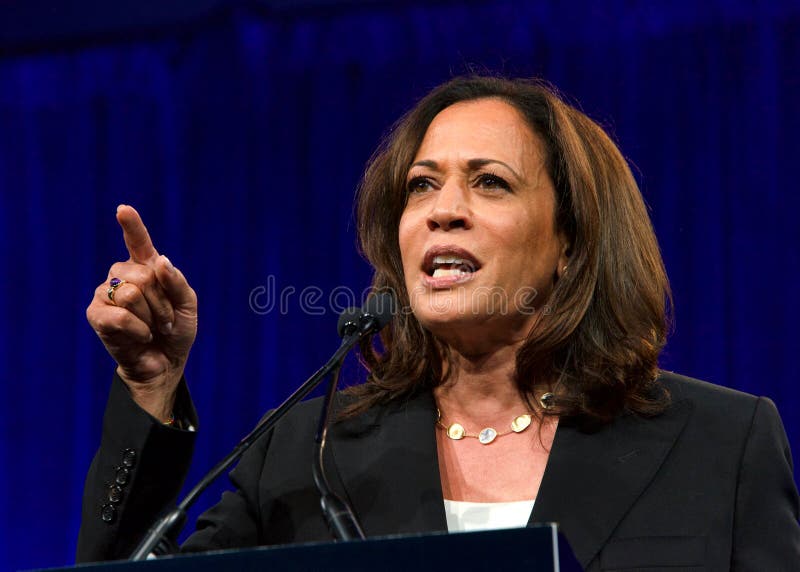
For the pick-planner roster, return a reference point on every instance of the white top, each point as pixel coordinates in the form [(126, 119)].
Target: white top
[(465, 516)]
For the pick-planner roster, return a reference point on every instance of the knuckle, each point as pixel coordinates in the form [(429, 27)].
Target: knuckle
[(98, 317), (117, 268), (143, 275), (101, 325), (133, 273), (126, 321), (127, 295), (111, 322), (122, 323)]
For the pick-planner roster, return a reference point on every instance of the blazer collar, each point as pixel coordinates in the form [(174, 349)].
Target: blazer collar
[(592, 479)]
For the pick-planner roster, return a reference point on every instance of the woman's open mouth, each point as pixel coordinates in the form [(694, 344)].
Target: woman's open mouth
[(445, 266)]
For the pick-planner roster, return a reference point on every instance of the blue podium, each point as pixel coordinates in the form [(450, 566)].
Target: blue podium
[(536, 549)]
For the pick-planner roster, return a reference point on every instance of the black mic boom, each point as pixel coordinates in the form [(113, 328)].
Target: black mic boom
[(354, 324)]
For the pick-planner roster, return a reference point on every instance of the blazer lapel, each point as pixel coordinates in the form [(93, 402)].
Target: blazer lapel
[(592, 479), (388, 467)]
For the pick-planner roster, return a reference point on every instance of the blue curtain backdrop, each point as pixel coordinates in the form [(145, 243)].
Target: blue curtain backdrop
[(240, 135)]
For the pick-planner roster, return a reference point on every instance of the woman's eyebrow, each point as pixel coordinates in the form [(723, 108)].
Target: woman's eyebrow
[(478, 163), (473, 164), (426, 163)]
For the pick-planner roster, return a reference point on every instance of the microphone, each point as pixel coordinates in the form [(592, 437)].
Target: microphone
[(354, 324), (349, 322), (372, 317)]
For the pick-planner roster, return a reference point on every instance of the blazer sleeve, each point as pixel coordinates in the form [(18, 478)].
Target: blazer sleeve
[(135, 475), (766, 529)]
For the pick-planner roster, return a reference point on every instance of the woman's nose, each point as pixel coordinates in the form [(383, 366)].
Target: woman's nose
[(451, 208)]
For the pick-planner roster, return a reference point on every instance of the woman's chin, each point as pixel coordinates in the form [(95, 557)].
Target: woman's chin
[(446, 321), (474, 327), (450, 324)]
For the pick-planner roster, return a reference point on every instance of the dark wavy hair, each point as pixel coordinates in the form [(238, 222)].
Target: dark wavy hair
[(597, 345)]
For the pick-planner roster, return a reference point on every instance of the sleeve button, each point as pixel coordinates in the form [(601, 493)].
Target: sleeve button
[(129, 458), (108, 513), (115, 494), (123, 476)]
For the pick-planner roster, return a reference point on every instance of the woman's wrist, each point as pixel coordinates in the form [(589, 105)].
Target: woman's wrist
[(156, 396)]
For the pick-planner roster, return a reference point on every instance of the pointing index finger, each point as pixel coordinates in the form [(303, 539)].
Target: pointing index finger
[(137, 239)]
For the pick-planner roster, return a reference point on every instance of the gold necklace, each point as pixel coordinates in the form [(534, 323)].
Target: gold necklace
[(456, 431)]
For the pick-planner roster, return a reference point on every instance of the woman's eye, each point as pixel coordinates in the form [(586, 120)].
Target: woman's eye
[(418, 185), (488, 181)]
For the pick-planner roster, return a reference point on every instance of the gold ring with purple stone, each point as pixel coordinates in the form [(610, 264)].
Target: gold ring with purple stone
[(113, 284)]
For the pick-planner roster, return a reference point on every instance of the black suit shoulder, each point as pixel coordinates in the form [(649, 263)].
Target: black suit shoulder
[(726, 409), (734, 450), (703, 392)]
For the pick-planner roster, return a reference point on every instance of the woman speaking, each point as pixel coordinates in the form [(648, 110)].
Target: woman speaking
[(518, 384)]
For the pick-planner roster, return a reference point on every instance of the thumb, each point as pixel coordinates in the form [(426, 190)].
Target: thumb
[(175, 286)]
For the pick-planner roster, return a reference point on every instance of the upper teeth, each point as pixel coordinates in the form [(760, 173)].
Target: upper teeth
[(448, 260), (448, 265)]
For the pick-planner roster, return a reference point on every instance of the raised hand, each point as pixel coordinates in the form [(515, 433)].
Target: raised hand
[(145, 313)]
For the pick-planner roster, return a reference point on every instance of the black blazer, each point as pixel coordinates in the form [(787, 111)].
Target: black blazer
[(706, 486)]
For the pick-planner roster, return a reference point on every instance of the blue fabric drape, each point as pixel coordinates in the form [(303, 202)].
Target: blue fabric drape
[(241, 144)]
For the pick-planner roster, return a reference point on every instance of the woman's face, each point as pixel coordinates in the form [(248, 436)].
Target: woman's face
[(478, 239)]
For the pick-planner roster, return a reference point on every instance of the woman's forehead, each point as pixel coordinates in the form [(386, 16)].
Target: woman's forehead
[(480, 129)]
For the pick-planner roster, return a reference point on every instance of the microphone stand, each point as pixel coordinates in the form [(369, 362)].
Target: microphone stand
[(340, 517), (161, 538)]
